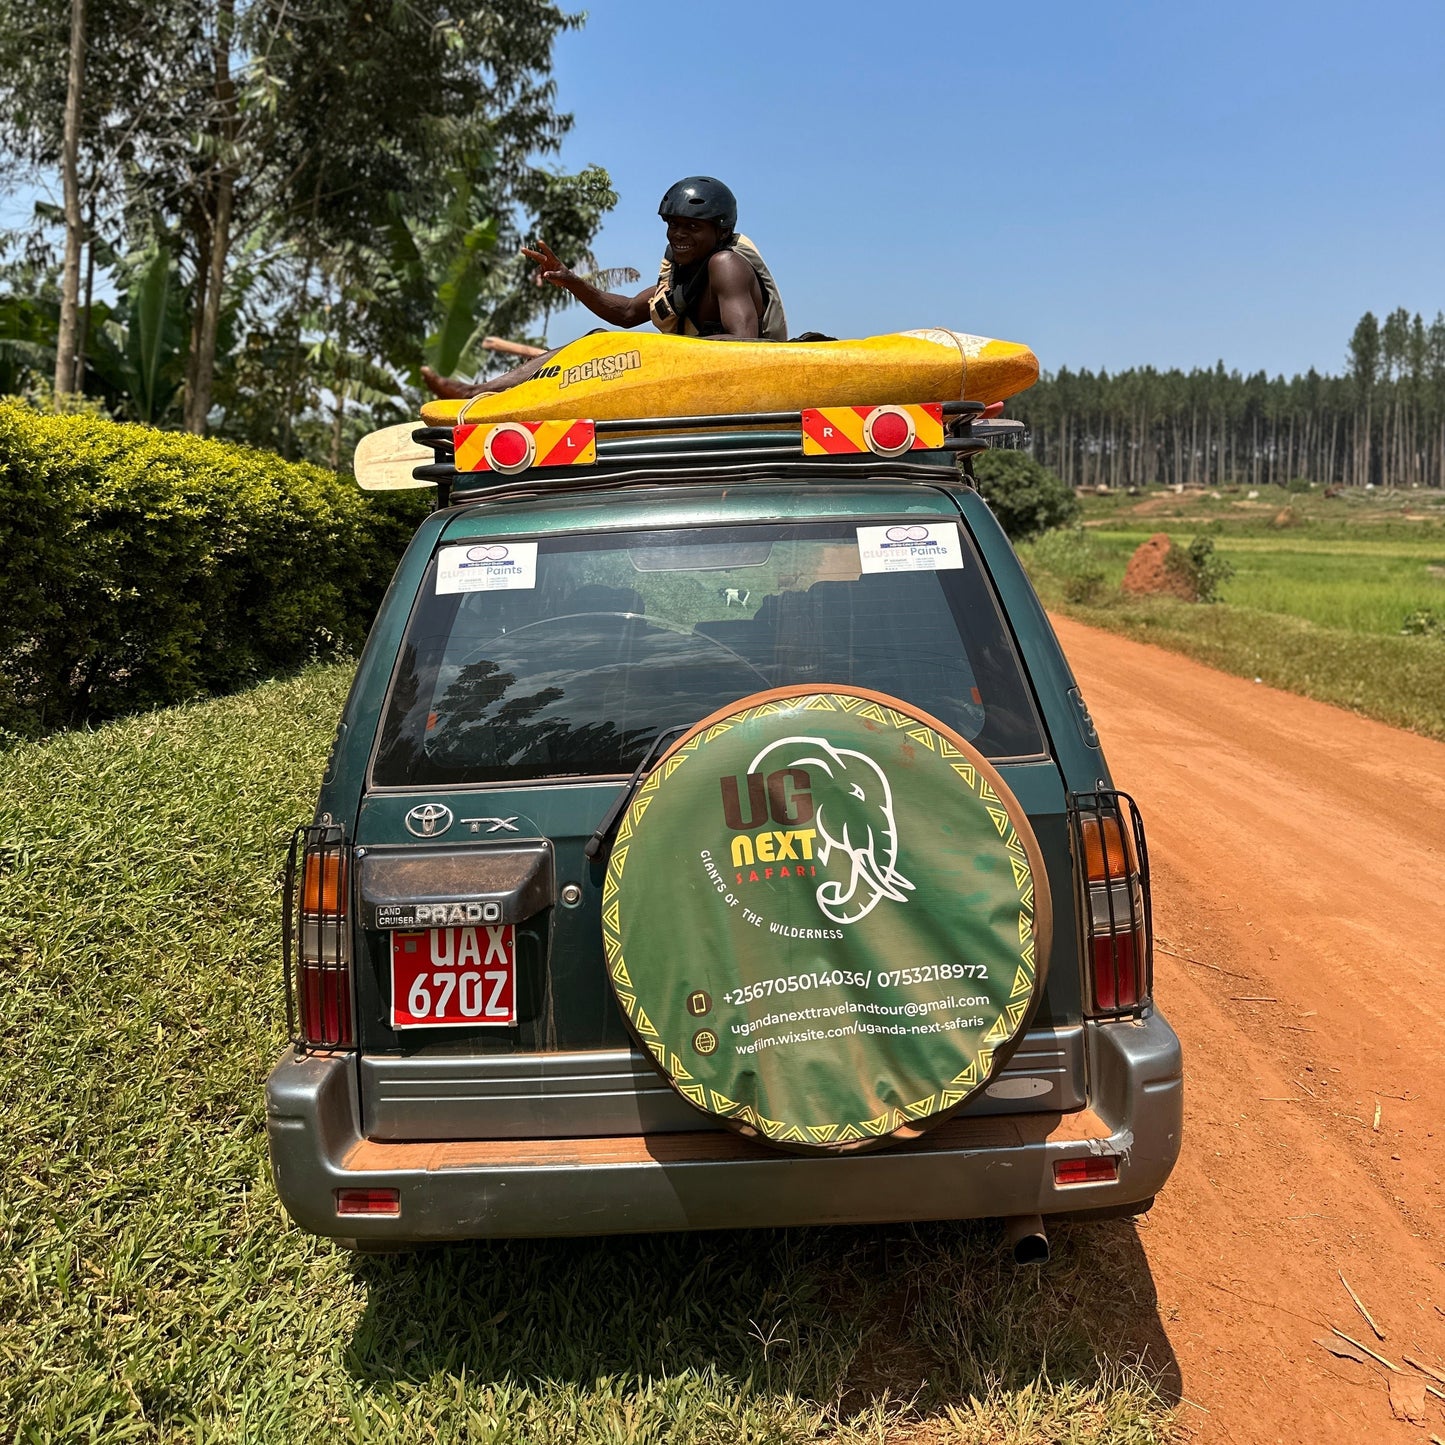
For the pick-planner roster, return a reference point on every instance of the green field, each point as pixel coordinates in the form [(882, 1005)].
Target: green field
[(152, 1290), (1341, 599)]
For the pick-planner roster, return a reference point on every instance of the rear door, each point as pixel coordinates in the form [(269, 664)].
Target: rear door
[(539, 669)]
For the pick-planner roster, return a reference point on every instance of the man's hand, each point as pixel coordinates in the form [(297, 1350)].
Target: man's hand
[(549, 268), (615, 310)]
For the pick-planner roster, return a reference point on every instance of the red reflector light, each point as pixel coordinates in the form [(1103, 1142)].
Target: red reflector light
[(508, 448), (1095, 1169), (890, 431), (1116, 970), (368, 1201), (326, 1005)]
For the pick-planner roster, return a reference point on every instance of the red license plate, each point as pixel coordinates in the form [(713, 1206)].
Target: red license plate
[(446, 978)]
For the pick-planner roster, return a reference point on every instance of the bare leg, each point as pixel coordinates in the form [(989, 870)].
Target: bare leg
[(449, 389)]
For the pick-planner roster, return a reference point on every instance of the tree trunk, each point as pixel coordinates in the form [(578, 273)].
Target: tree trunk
[(201, 236), (65, 345), (203, 367), (199, 403), (86, 305)]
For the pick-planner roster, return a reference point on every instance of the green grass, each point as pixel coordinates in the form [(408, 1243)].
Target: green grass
[(1316, 607), (151, 1289), (1362, 584)]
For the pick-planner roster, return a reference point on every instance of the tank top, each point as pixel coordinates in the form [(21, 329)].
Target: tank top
[(669, 308)]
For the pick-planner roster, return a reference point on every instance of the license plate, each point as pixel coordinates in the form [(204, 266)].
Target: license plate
[(447, 978)]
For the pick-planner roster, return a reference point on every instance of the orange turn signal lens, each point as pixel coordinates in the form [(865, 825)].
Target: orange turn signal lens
[(323, 884), (1106, 854)]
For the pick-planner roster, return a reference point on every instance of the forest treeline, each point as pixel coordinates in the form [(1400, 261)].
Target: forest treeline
[(1381, 422)]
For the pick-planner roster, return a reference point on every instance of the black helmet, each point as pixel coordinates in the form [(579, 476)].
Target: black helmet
[(705, 198)]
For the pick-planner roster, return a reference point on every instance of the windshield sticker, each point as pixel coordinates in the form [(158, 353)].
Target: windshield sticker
[(487, 567), (910, 547)]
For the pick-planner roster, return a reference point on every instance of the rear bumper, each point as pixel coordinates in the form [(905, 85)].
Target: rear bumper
[(517, 1188)]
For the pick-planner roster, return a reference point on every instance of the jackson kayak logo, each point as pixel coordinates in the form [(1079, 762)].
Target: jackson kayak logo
[(601, 368), (832, 809)]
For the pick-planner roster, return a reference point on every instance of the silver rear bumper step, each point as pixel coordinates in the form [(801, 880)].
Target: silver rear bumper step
[(970, 1167)]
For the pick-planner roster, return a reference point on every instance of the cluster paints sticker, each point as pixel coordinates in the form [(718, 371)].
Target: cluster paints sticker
[(825, 917), (487, 567), (910, 547)]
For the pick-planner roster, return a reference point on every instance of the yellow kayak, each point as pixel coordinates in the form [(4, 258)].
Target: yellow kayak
[(613, 375)]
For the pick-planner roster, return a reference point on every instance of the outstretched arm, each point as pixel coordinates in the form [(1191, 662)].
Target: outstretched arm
[(735, 285), (613, 309)]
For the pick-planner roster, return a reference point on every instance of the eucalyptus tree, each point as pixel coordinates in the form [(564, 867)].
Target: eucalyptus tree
[(275, 145), (1383, 419), (76, 77)]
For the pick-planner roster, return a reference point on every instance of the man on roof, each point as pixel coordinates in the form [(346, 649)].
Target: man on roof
[(712, 283)]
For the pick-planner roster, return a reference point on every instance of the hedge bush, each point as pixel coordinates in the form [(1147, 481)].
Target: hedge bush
[(1026, 497), (140, 568)]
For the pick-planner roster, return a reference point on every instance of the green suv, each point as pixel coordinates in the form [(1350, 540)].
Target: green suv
[(888, 959)]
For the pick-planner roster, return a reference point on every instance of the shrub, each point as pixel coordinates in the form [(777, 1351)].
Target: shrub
[(1070, 555), (1423, 622), (142, 567), (1201, 568), (1025, 496)]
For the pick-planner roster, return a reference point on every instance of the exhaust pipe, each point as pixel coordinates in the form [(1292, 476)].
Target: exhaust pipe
[(1024, 1236)]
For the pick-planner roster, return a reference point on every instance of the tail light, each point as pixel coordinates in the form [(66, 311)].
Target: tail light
[(1112, 866), (316, 939), (368, 1201), (1091, 1169)]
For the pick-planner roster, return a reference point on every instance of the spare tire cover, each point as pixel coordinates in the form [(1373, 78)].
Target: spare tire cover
[(826, 918)]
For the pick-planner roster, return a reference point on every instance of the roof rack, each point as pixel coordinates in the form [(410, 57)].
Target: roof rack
[(643, 450), (491, 458)]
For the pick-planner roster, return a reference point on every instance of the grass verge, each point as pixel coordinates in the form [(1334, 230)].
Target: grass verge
[(151, 1288), (1396, 680)]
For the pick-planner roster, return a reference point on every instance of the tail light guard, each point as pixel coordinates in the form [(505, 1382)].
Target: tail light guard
[(315, 938), (1111, 872)]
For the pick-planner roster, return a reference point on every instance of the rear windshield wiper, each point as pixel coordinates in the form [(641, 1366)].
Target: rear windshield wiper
[(598, 843)]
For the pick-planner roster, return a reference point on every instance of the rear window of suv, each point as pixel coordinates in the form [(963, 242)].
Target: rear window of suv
[(607, 640)]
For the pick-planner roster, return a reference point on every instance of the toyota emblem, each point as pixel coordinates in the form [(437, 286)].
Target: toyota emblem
[(426, 820)]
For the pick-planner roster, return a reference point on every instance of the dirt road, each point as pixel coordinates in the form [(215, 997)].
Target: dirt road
[(1299, 883)]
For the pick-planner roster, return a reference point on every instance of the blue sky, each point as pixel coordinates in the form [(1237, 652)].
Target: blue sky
[(1114, 184)]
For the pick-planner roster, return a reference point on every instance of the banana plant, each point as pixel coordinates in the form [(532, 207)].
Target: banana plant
[(27, 341), (148, 333)]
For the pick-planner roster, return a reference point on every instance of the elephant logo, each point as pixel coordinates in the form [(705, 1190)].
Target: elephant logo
[(855, 821)]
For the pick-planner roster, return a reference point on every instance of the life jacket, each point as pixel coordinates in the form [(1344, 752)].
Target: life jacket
[(676, 294)]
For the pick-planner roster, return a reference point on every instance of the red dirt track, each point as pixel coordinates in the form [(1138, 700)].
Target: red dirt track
[(1298, 859)]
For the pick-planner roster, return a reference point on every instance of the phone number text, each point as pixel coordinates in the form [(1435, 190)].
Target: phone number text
[(851, 978)]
